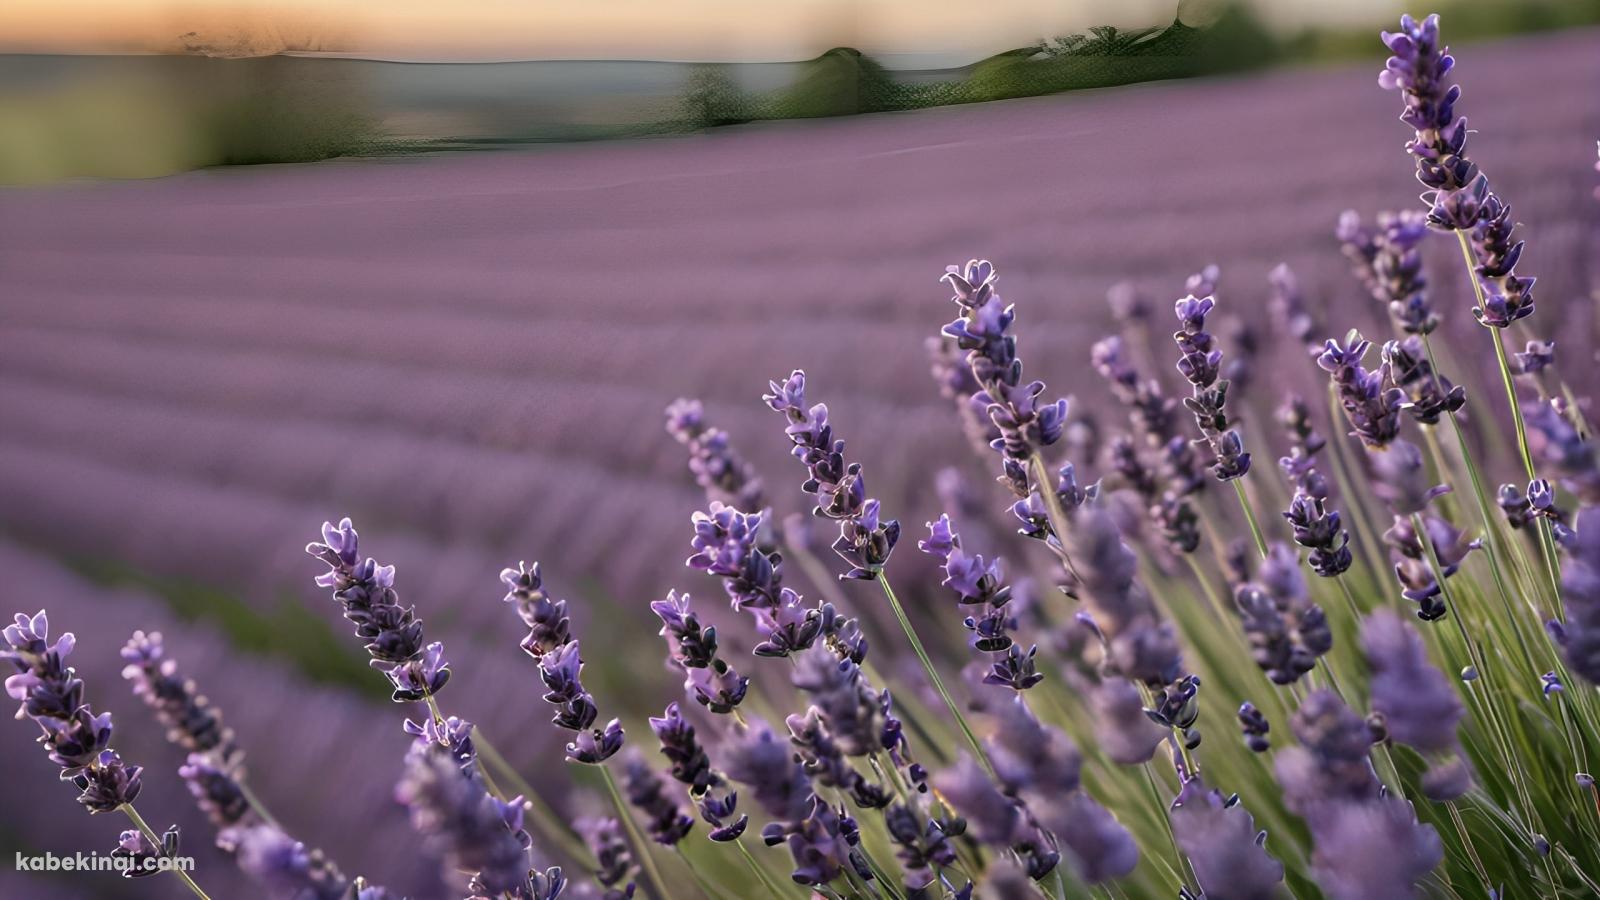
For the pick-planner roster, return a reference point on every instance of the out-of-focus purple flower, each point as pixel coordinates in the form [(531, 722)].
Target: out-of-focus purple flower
[(1121, 728), (824, 760), (992, 817), (1430, 395), (852, 710), (957, 384), (1030, 757), (665, 820), (920, 843), (1370, 400), (1199, 361), (719, 470), (1287, 304), (143, 857), (1025, 425), (1388, 262), (458, 819), (1417, 701), (1557, 444), (1400, 479), (764, 762), (282, 866), (1536, 358), (864, 541), (1254, 726), (393, 632), (215, 789), (1219, 837), (820, 844), (1330, 765), (190, 719), (1373, 849), (614, 863), (545, 616), (78, 741), (1579, 637), (1276, 649)]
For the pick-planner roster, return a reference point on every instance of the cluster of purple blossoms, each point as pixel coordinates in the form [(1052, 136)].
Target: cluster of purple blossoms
[(710, 680), (1287, 632), (1557, 443), (1165, 486), (1370, 400), (820, 839), (615, 867), (51, 694), (726, 544), (958, 385), (723, 474), (284, 867), (1287, 305), (476, 833), (1316, 527), (980, 584), (864, 541), (1418, 703), (1219, 838), (1579, 635), (1026, 426), (191, 721), (1200, 362), (1413, 568), (1387, 260), (1429, 395), (393, 632), (1254, 726), (691, 767), (1459, 197), (1367, 843), (551, 644), (1523, 506)]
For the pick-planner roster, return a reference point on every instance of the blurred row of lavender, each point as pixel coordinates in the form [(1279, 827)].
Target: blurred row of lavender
[(186, 522)]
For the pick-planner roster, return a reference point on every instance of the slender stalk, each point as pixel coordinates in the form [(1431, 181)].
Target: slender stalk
[(155, 840), (1052, 506), (256, 805), (646, 859), (933, 675), (761, 873), (1250, 515), (551, 824)]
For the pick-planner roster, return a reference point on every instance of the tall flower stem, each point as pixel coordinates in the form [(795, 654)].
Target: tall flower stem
[(1249, 514), (761, 873), (155, 840), (651, 873), (1546, 538), (933, 675)]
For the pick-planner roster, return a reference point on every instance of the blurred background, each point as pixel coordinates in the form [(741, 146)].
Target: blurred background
[(441, 267)]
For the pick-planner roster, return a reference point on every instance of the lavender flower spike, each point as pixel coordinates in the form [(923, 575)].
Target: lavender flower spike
[(1219, 837), (1419, 704), (191, 721), (1200, 363), (980, 584), (393, 632), (721, 472), (561, 671), (79, 742), (1579, 637), (864, 541)]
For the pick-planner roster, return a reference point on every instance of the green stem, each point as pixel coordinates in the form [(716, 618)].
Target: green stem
[(761, 873), (1052, 506), (155, 840), (933, 675), (646, 859), (1249, 514)]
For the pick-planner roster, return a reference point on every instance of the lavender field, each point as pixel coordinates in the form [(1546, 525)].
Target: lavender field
[(470, 356)]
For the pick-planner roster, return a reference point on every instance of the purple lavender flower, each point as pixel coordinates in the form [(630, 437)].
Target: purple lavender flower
[(78, 741), (758, 758), (1508, 296), (1330, 765), (1219, 837), (191, 721), (282, 866), (840, 691), (920, 843), (1370, 400), (393, 632), (458, 819), (1414, 569), (692, 646), (719, 470), (995, 819), (663, 817), (864, 542), (1200, 361), (1556, 443), (1579, 636), (1287, 304), (980, 583), (1388, 262), (692, 768), (1122, 730), (216, 790), (1429, 394), (1535, 358), (1374, 849), (824, 760), (1276, 649), (615, 866), (1417, 701), (1025, 425), (1254, 726), (957, 385), (545, 616)]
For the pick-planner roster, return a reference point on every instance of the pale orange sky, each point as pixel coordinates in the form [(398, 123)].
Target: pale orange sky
[(655, 29)]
